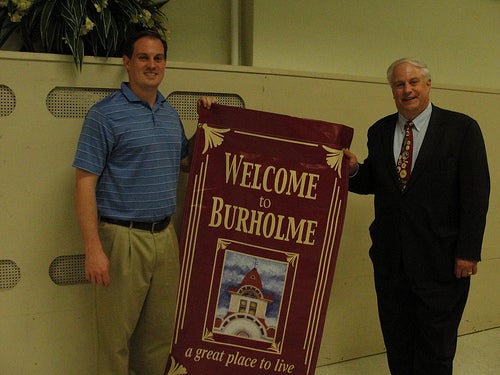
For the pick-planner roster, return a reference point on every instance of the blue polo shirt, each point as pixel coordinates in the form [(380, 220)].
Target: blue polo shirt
[(136, 152)]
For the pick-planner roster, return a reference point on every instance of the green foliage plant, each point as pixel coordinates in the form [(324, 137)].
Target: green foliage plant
[(78, 27)]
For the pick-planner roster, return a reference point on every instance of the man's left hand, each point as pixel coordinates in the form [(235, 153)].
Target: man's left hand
[(205, 102), (465, 268)]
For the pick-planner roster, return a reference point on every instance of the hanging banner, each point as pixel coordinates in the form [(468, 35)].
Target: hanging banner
[(265, 206)]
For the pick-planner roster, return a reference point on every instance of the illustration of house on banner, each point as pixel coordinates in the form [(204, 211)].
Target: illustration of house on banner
[(246, 315)]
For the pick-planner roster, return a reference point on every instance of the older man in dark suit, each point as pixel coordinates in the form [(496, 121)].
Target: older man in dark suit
[(428, 171)]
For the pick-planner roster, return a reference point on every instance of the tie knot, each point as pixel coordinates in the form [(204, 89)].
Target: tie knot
[(408, 125)]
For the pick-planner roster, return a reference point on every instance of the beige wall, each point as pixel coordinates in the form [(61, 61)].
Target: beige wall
[(199, 31), (457, 38)]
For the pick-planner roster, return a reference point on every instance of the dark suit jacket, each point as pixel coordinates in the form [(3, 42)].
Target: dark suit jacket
[(442, 213)]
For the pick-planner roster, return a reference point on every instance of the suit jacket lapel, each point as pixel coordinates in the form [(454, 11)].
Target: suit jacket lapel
[(431, 141), (388, 146)]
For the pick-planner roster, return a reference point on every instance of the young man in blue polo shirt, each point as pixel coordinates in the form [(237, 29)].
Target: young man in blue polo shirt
[(128, 158)]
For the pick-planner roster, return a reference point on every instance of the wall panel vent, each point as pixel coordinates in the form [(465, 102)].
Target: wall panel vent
[(7, 101), (185, 102), (68, 270), (10, 274), (74, 102)]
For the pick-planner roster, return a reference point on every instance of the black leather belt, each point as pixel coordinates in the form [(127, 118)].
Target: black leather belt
[(155, 227)]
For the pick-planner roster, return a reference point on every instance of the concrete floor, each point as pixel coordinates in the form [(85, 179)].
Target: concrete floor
[(477, 354)]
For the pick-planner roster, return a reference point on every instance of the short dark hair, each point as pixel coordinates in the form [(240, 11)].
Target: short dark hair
[(128, 46)]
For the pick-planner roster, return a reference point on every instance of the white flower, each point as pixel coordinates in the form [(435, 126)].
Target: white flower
[(147, 19), (87, 26), (22, 5), (146, 14), (16, 17), (100, 5)]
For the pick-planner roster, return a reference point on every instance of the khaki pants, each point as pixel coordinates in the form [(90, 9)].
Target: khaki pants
[(135, 314)]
